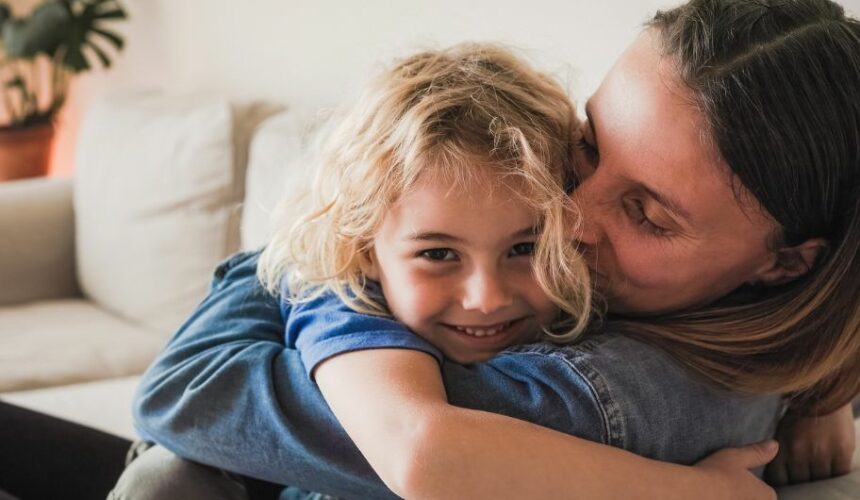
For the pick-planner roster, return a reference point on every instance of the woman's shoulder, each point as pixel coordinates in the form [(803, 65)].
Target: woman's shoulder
[(655, 406)]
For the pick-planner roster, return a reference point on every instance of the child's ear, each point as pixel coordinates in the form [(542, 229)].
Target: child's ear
[(790, 263), (368, 266)]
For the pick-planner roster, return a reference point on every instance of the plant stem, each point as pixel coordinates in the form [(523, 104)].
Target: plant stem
[(60, 85), (7, 115), (15, 106)]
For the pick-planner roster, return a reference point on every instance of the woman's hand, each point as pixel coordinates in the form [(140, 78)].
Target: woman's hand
[(729, 471), (813, 448)]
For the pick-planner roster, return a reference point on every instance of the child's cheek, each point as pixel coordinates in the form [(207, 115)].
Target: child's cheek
[(428, 293), (546, 311)]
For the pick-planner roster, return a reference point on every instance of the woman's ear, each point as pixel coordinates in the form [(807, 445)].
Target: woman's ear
[(368, 266), (790, 263)]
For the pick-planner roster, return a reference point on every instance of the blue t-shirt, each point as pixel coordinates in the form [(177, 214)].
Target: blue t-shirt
[(325, 327)]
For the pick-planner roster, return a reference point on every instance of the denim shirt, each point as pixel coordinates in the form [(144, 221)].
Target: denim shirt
[(230, 392)]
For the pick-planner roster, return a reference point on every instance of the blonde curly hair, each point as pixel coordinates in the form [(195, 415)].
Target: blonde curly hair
[(434, 114)]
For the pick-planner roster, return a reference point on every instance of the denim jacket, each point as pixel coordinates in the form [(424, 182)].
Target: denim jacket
[(230, 391)]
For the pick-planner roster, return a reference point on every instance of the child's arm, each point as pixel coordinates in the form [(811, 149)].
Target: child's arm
[(392, 404), (813, 448)]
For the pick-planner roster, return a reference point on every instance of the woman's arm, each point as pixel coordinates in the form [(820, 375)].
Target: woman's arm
[(226, 392), (393, 405)]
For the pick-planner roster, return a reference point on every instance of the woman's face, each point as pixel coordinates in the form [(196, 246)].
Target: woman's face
[(665, 224)]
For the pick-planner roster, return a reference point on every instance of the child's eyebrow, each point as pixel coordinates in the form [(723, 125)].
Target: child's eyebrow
[(526, 232), (434, 236)]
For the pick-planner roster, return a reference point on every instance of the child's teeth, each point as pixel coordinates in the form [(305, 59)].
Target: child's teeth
[(482, 332)]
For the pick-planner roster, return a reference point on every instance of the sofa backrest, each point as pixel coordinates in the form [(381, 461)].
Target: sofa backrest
[(279, 165), (157, 192)]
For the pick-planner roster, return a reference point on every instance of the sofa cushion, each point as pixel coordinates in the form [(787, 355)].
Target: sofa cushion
[(157, 193), (104, 404), (278, 165), (68, 341)]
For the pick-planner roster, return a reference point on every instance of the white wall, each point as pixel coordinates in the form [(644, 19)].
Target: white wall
[(315, 53)]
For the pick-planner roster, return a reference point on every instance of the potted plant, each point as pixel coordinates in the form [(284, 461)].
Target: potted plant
[(38, 56)]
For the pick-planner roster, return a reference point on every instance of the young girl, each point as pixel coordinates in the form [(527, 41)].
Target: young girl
[(443, 189), (440, 202)]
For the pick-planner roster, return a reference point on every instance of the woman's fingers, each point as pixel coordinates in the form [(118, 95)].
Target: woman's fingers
[(812, 448), (799, 469), (748, 457), (731, 468), (822, 466), (842, 462), (776, 472), (844, 454)]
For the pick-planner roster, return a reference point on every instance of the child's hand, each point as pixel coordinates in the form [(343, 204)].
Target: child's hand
[(729, 471), (813, 448)]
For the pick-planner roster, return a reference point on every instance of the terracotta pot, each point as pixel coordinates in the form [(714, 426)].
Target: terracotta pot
[(25, 152)]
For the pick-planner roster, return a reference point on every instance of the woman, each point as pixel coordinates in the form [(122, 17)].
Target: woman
[(721, 192)]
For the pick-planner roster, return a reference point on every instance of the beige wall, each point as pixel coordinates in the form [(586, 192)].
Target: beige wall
[(313, 53)]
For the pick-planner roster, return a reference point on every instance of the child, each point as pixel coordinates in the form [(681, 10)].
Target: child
[(440, 201), (443, 187)]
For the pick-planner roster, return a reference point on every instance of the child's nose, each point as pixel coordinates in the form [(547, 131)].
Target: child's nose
[(486, 292)]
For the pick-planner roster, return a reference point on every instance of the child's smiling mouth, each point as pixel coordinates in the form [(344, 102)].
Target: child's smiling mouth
[(490, 330)]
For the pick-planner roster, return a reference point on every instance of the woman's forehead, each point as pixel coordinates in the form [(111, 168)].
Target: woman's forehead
[(652, 135)]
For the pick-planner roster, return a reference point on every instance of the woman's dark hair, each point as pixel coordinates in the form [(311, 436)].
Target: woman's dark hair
[(779, 84)]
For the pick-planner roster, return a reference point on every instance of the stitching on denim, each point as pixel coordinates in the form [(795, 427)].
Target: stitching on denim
[(611, 422)]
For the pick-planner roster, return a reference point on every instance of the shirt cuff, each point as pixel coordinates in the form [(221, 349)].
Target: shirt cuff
[(314, 354)]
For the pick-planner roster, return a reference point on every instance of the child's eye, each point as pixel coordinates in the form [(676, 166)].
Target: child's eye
[(527, 248), (438, 254)]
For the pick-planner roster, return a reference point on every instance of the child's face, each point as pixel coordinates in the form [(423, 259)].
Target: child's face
[(455, 267)]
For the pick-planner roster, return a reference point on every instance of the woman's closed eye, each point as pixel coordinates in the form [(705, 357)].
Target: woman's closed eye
[(586, 142), (438, 254), (592, 155), (636, 211)]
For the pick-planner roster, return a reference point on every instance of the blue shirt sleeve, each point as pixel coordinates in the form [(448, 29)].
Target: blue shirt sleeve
[(227, 391), (325, 327)]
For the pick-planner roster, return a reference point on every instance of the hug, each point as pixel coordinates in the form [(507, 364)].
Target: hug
[(493, 289)]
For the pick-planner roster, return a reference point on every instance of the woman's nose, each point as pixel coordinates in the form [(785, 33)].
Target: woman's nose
[(486, 292)]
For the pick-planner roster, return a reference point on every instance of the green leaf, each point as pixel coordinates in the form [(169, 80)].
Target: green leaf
[(5, 13), (42, 32), (103, 57), (114, 39), (72, 32), (111, 14), (74, 60), (85, 25)]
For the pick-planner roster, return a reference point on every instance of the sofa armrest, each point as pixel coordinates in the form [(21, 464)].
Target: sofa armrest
[(37, 246)]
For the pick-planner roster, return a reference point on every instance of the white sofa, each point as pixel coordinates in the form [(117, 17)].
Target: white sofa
[(97, 271)]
